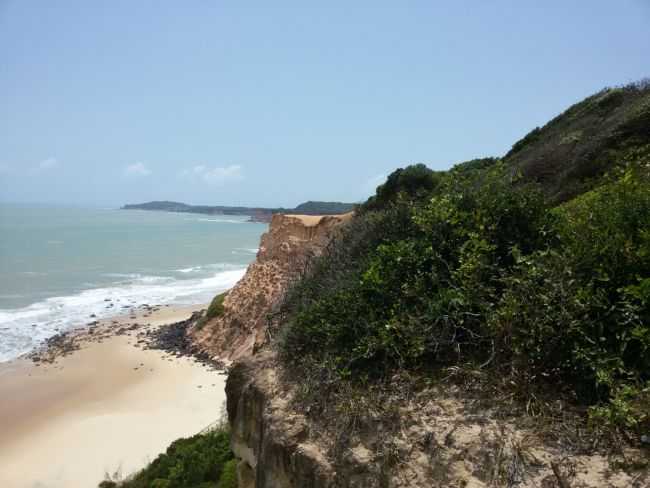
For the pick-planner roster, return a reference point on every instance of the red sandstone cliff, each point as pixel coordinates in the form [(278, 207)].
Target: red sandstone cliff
[(285, 250)]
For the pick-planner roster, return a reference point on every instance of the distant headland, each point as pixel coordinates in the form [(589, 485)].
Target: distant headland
[(257, 214)]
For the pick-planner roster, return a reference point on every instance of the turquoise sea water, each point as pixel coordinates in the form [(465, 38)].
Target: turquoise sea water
[(59, 266)]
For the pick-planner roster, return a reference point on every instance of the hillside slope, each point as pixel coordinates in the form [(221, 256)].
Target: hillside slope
[(485, 326), (572, 151)]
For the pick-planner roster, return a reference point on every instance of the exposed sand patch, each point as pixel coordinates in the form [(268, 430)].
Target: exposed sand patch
[(313, 220), (109, 406)]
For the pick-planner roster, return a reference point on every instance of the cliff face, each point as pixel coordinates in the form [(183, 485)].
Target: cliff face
[(437, 437), (440, 436), (271, 440), (285, 250), (432, 436)]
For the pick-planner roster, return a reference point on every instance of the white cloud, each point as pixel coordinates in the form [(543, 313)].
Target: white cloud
[(46, 164), (219, 175), (216, 175), (137, 169), (370, 185)]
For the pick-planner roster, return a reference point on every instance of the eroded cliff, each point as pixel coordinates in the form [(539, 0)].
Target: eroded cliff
[(421, 438), (407, 435), (270, 439), (285, 250)]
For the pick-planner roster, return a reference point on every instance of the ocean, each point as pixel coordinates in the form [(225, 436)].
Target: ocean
[(62, 267)]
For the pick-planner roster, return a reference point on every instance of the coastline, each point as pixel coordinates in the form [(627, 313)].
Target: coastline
[(106, 405)]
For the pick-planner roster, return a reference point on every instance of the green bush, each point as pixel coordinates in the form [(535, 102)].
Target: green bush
[(198, 461), (484, 272), (216, 306), (417, 294), (215, 309), (229, 475), (413, 182)]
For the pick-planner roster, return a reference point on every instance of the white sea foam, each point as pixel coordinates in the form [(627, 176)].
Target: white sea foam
[(208, 268), (188, 270), (223, 221), (130, 276), (24, 328), (245, 250)]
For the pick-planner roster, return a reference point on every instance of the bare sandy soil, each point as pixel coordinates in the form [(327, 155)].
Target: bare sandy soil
[(313, 220), (110, 406)]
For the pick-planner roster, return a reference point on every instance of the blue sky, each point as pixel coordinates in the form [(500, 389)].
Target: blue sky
[(219, 103)]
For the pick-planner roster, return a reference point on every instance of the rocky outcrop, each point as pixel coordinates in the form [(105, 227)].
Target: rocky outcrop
[(284, 253)]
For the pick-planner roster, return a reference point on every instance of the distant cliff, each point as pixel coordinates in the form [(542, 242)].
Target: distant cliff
[(257, 214)]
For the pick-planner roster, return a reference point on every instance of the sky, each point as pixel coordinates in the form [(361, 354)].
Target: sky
[(276, 103)]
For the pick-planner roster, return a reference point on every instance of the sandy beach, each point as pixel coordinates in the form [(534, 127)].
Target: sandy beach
[(109, 407)]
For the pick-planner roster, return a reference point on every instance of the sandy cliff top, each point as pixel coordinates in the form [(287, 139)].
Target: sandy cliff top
[(313, 220)]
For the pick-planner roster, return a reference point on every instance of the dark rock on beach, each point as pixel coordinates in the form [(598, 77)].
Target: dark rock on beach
[(173, 338), (56, 346)]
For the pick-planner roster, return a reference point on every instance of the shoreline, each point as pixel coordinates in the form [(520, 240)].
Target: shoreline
[(101, 400), (25, 327)]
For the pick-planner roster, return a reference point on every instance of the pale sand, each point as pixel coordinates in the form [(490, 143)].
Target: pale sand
[(65, 425), (314, 220)]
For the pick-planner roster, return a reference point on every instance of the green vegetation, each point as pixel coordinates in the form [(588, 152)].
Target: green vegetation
[(228, 477), (215, 309), (216, 306), (531, 272), (534, 269), (574, 150), (416, 181), (323, 208), (201, 461)]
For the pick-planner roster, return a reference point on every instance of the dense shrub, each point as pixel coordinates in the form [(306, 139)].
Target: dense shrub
[(200, 461), (580, 312), (484, 272), (228, 475), (418, 293), (216, 306), (412, 183)]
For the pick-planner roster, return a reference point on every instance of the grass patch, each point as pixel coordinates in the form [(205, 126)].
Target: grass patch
[(214, 310), (216, 306)]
